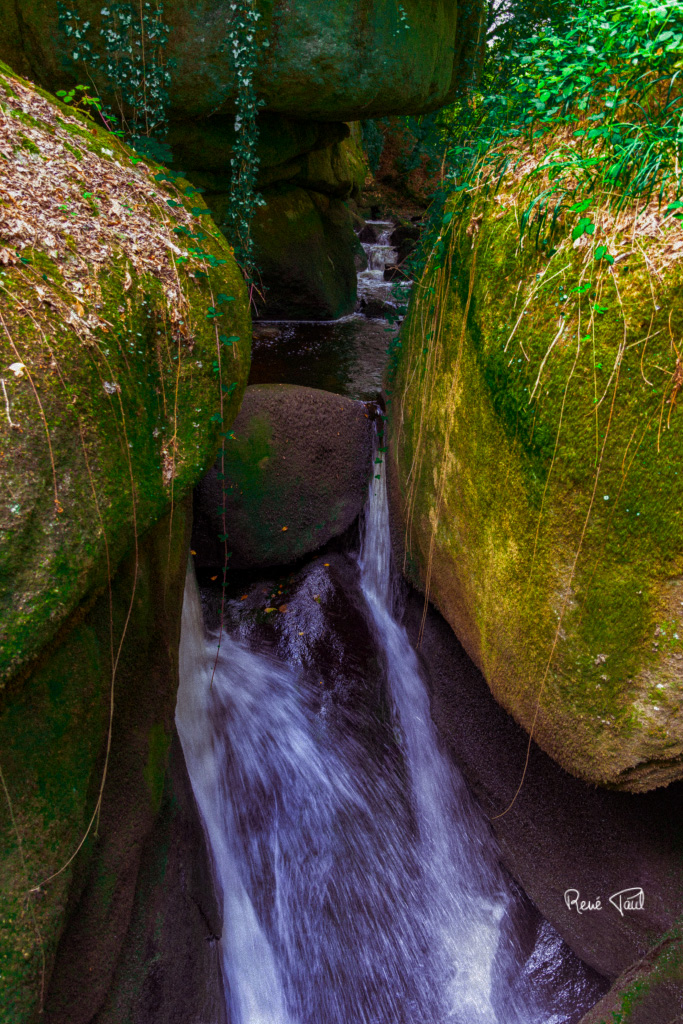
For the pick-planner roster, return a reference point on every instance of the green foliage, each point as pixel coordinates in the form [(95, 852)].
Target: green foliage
[(244, 199), (133, 61), (608, 74), (128, 56), (373, 142), (80, 97)]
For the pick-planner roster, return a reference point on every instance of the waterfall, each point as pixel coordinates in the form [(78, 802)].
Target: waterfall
[(358, 886), (249, 969), (464, 884), (371, 284)]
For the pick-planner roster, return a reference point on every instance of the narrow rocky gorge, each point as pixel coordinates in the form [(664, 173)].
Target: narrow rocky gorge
[(340, 667)]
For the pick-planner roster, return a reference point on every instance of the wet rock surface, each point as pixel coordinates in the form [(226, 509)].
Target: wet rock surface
[(561, 833), (169, 971), (649, 992), (346, 357), (313, 619), (295, 476)]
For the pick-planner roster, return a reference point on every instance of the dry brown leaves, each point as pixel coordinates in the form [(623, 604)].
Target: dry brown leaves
[(529, 172), (81, 201)]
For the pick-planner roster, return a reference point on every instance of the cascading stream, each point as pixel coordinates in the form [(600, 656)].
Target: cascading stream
[(464, 886), (380, 254), (359, 885)]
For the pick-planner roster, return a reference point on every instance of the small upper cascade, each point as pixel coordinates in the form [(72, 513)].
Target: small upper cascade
[(375, 293)]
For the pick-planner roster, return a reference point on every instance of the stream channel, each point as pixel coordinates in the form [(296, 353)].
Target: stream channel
[(360, 881)]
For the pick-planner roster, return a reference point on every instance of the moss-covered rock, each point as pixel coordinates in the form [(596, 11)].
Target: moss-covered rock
[(536, 441), (65, 917), (204, 148), (342, 61), (115, 291), (305, 245), (111, 405), (295, 476), (561, 832), (649, 992), (338, 170)]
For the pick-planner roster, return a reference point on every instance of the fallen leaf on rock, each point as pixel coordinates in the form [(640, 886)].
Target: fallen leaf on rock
[(269, 610), (282, 608)]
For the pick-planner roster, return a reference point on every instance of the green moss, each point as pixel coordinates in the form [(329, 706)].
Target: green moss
[(116, 415), (560, 538), (325, 62), (87, 468), (651, 989)]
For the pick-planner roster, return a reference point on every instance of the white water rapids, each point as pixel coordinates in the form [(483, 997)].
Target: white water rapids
[(354, 891)]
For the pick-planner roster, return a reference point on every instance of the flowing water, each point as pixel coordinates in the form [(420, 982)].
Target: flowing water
[(346, 356), (359, 880), (380, 254)]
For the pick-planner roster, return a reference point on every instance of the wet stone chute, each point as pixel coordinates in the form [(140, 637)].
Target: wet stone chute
[(376, 294), (359, 880)]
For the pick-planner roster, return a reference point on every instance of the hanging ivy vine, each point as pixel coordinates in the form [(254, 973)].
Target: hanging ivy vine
[(244, 198), (130, 57)]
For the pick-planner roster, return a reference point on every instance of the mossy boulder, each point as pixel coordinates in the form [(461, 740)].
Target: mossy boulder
[(111, 405), (561, 832), (204, 148), (116, 287), (536, 440), (342, 61), (295, 476), (338, 170), (305, 245)]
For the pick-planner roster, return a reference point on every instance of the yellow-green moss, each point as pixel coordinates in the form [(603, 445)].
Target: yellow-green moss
[(114, 413), (125, 370), (558, 544)]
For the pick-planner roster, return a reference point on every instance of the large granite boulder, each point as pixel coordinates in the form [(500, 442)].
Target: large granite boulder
[(536, 442), (344, 61), (111, 411), (304, 246), (305, 242), (323, 64), (650, 991), (295, 476)]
